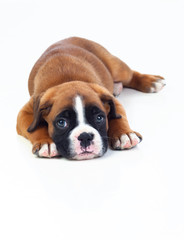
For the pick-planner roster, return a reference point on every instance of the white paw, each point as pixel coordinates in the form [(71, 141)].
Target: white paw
[(157, 86), (118, 87), (126, 141), (48, 151)]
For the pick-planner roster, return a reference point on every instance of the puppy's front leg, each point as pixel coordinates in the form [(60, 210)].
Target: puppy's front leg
[(120, 134), (43, 145)]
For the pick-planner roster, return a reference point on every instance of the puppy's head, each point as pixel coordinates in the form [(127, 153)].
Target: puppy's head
[(77, 115)]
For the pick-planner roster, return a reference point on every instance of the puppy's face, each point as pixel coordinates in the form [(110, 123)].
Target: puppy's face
[(77, 120), (79, 131)]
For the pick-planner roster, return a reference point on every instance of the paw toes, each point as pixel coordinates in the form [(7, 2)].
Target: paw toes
[(45, 150), (134, 139), (116, 144), (157, 86), (126, 141), (53, 150), (36, 148)]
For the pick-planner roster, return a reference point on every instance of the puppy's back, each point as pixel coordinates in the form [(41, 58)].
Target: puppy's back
[(68, 60)]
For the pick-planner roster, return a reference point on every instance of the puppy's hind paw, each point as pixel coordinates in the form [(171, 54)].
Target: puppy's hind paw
[(118, 87), (157, 85)]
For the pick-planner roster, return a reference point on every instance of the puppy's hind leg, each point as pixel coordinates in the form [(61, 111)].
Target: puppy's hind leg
[(146, 83)]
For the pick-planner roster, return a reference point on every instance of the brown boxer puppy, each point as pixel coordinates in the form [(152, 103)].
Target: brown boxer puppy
[(72, 111)]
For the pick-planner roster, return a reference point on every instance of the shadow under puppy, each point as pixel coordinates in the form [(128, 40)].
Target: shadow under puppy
[(72, 111)]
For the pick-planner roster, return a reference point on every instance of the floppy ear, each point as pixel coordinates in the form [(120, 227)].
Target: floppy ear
[(39, 111), (108, 101)]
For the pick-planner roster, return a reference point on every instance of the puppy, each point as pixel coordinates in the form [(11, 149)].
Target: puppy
[(72, 111)]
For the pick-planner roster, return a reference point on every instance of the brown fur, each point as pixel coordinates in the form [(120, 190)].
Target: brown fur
[(71, 66)]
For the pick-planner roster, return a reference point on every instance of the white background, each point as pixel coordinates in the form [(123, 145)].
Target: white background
[(130, 195)]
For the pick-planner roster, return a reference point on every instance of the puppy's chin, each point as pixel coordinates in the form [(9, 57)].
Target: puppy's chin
[(85, 156)]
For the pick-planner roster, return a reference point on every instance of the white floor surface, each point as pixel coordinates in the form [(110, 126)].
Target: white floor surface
[(129, 195)]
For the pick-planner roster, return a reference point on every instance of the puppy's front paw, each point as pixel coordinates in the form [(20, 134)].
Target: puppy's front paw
[(45, 150), (126, 141)]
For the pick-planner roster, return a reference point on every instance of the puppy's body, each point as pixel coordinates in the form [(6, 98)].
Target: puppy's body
[(72, 111), (77, 59)]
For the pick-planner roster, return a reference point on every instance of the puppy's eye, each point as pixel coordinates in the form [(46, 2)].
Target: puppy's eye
[(99, 118), (62, 123)]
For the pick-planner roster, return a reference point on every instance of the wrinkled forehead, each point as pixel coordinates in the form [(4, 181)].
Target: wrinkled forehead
[(77, 103), (83, 108)]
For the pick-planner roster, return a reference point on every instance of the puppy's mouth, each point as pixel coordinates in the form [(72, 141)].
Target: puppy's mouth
[(85, 153)]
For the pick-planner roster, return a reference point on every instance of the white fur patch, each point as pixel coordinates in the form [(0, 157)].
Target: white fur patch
[(157, 86), (53, 150), (75, 148), (134, 139), (118, 87), (79, 109), (44, 151), (125, 141)]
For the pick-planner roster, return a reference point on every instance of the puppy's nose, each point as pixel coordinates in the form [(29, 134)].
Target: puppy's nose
[(85, 139)]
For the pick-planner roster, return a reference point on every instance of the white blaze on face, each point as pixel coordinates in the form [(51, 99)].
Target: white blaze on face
[(79, 109), (96, 147)]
